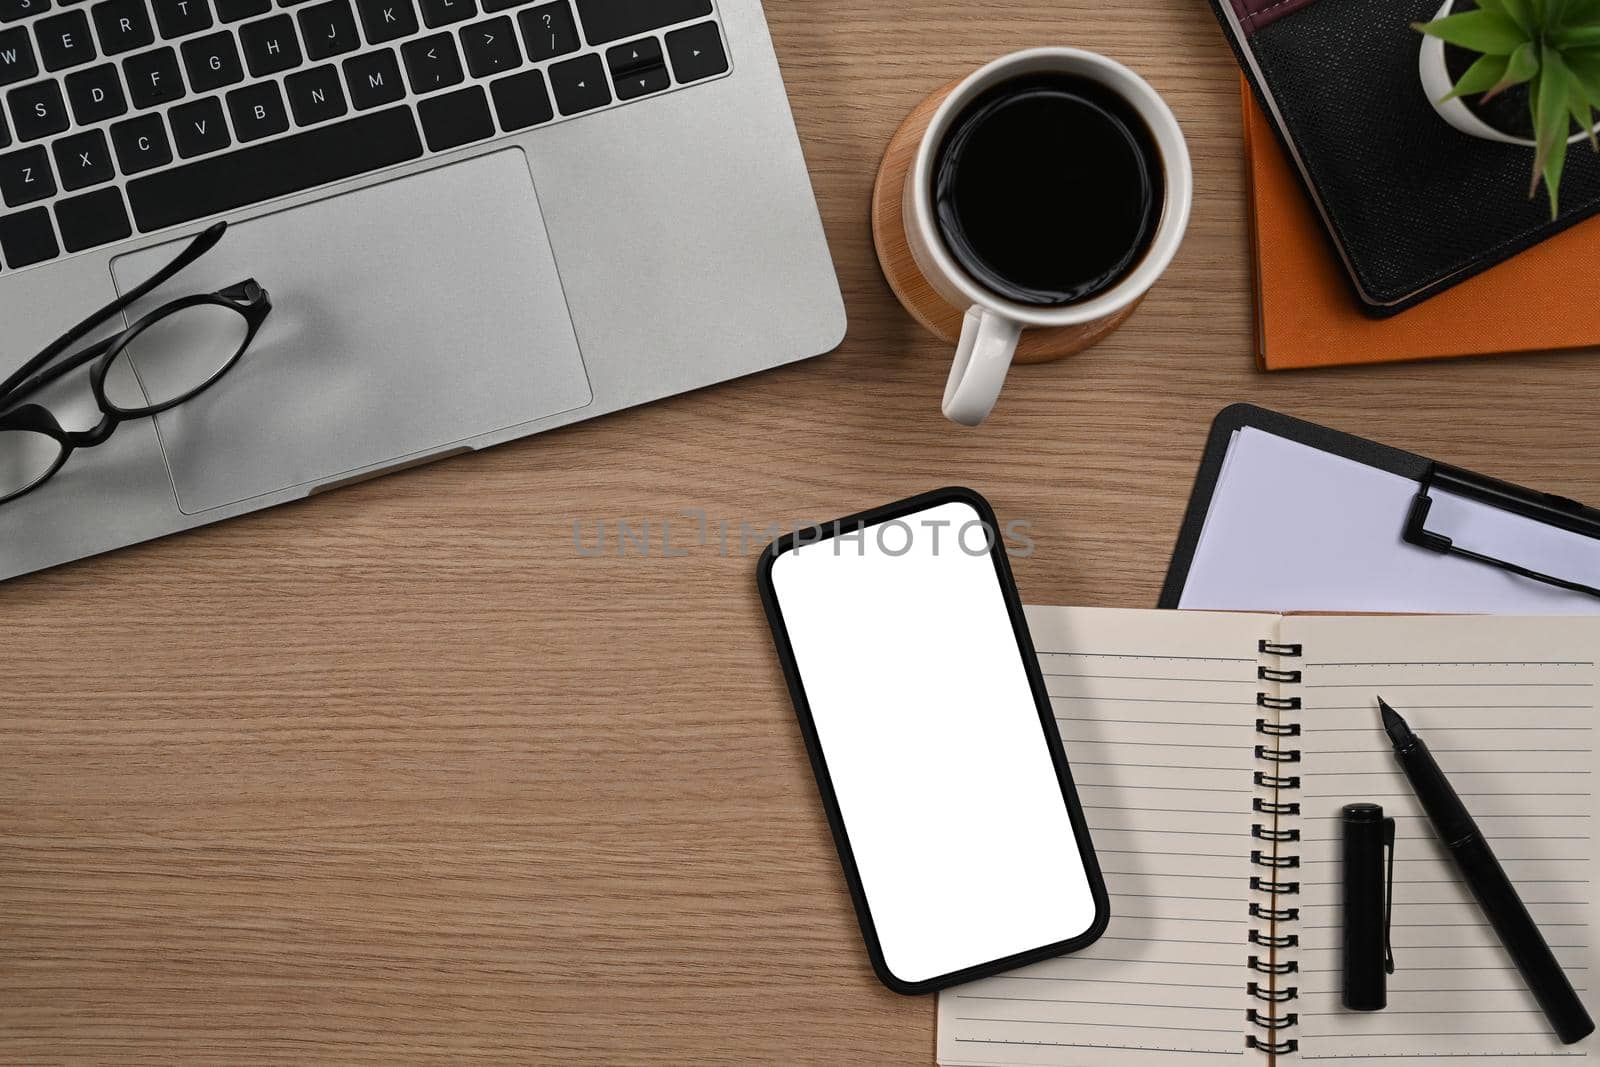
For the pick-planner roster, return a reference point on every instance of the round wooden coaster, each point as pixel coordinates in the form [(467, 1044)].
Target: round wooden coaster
[(918, 297)]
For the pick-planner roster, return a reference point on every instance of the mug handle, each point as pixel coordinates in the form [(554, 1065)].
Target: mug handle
[(988, 343)]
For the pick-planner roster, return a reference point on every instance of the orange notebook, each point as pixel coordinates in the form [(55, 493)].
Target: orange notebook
[(1306, 316)]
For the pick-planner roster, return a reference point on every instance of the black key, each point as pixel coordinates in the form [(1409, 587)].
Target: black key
[(257, 111), (16, 57), (83, 160), (236, 10), (491, 47), (270, 45), (642, 83), (374, 79), (5, 134), (636, 55), (501, 5), (212, 61), (12, 10), (432, 63), (521, 101), (329, 30), (141, 143), (198, 127), (65, 40), (96, 218), (549, 31), (37, 110), (605, 21), (580, 85), (123, 25), (444, 12), (153, 77), (26, 238), (96, 94), (25, 177), (697, 52), (455, 119), (315, 95), (314, 157), (386, 20), (180, 18)]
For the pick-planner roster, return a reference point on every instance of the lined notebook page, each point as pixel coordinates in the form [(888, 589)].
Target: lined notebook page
[(1157, 713), (1508, 708)]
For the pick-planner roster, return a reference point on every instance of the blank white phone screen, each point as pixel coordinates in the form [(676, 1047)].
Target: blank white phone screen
[(932, 739)]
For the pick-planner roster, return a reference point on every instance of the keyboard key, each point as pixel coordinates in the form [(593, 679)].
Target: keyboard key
[(580, 85), (270, 45), (198, 127), (141, 143), (37, 110), (455, 119), (65, 40), (5, 134), (315, 95), (432, 63), (180, 18), (212, 62), (642, 82), (251, 175), (153, 77), (12, 10), (387, 20), (83, 160), (501, 5), (257, 111), (25, 177), (491, 47), (549, 31), (605, 21), (238, 10), (697, 52), (329, 30), (96, 218), (123, 25), (636, 55), (96, 94), (521, 101), (374, 79), (26, 238), (16, 57), (445, 12)]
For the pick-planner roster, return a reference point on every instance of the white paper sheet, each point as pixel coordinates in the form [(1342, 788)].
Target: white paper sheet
[(1293, 528)]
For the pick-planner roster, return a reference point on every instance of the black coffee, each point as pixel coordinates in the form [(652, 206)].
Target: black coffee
[(1048, 189)]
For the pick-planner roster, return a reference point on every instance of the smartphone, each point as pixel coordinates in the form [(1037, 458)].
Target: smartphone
[(933, 742)]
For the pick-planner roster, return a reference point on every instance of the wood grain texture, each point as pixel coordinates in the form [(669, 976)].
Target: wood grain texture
[(911, 286), (398, 775)]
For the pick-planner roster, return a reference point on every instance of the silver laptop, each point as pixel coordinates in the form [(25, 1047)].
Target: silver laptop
[(477, 219)]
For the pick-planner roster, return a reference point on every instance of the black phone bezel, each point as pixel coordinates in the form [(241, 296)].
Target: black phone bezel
[(1047, 723)]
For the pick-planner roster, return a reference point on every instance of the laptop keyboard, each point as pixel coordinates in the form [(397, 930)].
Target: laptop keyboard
[(125, 116)]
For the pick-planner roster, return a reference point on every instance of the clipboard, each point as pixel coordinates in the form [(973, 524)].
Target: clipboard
[(1287, 515)]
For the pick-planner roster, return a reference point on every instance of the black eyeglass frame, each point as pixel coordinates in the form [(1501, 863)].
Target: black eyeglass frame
[(246, 298)]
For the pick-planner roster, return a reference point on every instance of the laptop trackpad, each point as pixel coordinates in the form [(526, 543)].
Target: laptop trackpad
[(407, 317)]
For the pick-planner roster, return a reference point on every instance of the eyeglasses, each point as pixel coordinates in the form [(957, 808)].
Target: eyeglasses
[(184, 348)]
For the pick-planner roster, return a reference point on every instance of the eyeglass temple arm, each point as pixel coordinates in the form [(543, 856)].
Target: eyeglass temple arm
[(26, 389), (202, 244)]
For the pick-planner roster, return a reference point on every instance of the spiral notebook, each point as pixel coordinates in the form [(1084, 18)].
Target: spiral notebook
[(1212, 752)]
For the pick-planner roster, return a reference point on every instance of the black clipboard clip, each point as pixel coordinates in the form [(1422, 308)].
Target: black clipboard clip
[(1552, 510)]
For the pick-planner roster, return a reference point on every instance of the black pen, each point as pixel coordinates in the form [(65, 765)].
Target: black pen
[(1487, 879)]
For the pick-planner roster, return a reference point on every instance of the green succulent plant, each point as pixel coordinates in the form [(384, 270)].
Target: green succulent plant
[(1552, 47)]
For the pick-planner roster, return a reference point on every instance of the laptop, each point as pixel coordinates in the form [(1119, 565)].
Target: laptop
[(477, 219)]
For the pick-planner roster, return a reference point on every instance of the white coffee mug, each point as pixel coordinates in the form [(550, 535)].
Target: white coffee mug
[(994, 324)]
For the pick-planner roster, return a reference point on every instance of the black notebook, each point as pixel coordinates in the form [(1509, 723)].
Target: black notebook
[(1413, 205)]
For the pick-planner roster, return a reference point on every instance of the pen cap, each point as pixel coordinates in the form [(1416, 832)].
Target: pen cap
[(1367, 836)]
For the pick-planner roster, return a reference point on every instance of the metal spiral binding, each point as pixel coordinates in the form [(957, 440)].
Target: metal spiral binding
[(1273, 755)]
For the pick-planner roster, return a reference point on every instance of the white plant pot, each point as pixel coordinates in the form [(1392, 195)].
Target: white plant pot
[(1437, 84)]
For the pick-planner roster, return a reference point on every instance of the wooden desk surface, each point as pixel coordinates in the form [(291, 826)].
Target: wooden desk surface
[(398, 775)]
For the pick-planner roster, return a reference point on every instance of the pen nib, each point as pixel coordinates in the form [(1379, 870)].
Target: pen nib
[(1399, 733)]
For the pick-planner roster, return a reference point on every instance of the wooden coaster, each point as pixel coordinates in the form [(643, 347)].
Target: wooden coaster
[(918, 297)]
